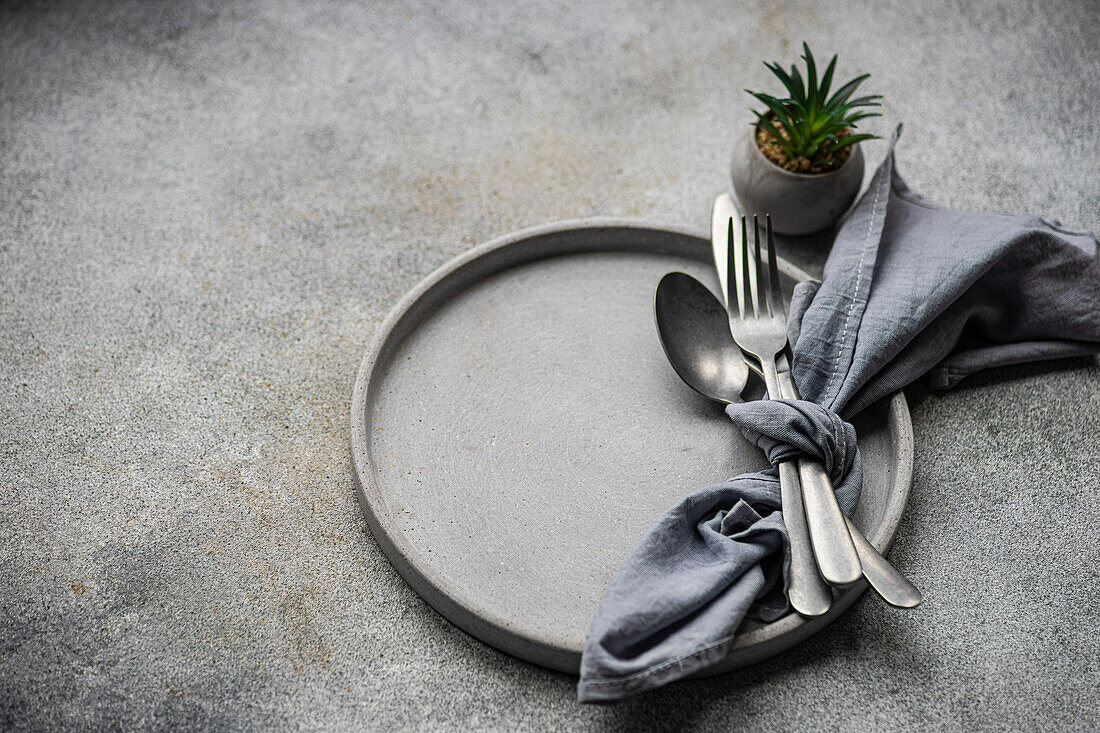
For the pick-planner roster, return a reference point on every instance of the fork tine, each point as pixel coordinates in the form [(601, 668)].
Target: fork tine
[(731, 272), (760, 308), (737, 267), (746, 278), (775, 294), (743, 280)]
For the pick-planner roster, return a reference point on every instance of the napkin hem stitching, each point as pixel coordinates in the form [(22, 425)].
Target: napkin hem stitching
[(859, 277), (661, 667)]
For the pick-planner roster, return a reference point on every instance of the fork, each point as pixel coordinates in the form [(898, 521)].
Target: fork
[(760, 329)]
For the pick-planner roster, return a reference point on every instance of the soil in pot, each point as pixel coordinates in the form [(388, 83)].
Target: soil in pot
[(765, 140)]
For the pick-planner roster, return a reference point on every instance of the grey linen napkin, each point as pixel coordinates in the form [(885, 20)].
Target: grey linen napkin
[(909, 290)]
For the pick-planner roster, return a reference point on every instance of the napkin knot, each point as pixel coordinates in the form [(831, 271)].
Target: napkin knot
[(787, 429)]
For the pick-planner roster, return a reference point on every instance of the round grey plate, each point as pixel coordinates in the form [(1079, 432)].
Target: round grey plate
[(515, 428)]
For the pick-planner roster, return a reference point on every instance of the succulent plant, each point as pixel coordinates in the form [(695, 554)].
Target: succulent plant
[(812, 130)]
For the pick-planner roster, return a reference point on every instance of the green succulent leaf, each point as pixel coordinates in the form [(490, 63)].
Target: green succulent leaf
[(777, 107), (799, 91), (819, 140), (812, 121), (788, 82), (825, 122), (764, 122), (811, 73), (852, 140), (827, 80), (841, 97), (868, 101), (853, 119)]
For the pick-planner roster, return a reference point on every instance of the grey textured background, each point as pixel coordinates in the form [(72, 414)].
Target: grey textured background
[(207, 208)]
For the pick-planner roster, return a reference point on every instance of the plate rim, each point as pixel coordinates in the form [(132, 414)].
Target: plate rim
[(509, 635)]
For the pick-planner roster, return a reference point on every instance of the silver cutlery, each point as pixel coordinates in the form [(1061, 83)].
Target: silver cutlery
[(694, 331), (695, 334), (894, 587), (759, 326), (883, 577)]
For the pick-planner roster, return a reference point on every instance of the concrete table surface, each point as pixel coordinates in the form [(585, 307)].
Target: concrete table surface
[(207, 208)]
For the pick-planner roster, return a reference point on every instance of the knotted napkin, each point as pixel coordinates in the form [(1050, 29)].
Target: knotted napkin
[(909, 290)]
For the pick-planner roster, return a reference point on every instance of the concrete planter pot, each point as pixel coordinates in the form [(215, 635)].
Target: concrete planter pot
[(799, 203)]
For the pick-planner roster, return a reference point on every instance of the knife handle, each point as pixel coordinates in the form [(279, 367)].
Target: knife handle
[(894, 588)]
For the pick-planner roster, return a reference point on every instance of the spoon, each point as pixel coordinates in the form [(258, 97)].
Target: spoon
[(696, 338), (694, 332)]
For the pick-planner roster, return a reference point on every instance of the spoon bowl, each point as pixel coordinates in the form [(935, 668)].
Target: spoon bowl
[(694, 330)]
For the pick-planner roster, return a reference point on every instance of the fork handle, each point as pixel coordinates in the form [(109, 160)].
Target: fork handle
[(806, 589)]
